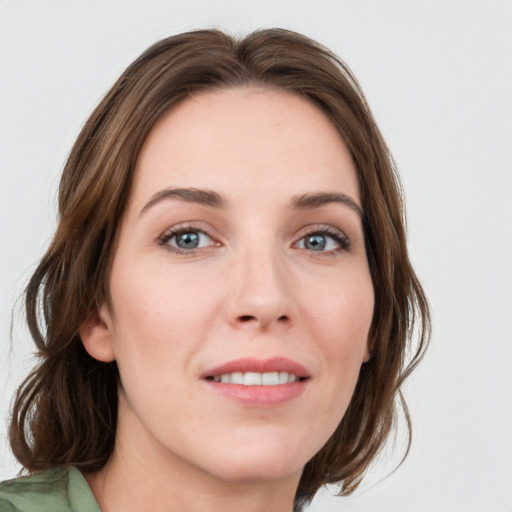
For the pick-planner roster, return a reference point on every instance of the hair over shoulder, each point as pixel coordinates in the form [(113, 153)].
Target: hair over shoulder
[(65, 412)]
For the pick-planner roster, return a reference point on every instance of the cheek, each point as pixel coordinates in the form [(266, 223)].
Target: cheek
[(339, 321), (156, 333), (340, 312), (161, 318)]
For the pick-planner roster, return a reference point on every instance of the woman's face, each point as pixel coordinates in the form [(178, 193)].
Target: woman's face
[(241, 298)]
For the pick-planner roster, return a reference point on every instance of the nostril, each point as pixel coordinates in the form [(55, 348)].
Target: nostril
[(252, 318)]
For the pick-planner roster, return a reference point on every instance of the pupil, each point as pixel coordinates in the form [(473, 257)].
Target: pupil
[(189, 240), (315, 242)]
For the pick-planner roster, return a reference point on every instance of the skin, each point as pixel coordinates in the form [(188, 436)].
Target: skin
[(255, 287)]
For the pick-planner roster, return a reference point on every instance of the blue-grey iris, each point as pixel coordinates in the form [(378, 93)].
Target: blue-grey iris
[(315, 242), (188, 240)]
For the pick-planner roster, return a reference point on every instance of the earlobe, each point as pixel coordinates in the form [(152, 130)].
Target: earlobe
[(368, 350), (96, 334)]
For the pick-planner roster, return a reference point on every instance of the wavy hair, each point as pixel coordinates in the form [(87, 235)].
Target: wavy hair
[(65, 412)]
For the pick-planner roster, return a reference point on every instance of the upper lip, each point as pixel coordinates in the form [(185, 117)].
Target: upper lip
[(250, 364)]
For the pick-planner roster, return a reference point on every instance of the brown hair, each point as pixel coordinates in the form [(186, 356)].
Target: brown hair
[(65, 412)]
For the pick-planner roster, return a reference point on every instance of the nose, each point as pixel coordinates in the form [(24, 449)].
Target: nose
[(260, 292)]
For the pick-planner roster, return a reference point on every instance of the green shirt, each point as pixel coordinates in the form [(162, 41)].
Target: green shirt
[(55, 490)]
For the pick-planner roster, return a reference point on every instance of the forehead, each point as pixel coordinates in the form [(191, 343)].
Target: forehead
[(246, 141)]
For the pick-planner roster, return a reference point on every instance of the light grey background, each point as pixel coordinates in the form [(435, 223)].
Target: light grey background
[(438, 75)]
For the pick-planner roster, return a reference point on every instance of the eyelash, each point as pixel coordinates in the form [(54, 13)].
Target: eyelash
[(163, 240), (337, 236)]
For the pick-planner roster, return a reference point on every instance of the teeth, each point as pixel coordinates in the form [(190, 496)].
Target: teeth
[(255, 378), (270, 379), (250, 379), (237, 378)]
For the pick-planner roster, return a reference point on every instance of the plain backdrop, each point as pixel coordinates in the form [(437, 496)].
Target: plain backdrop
[(438, 76)]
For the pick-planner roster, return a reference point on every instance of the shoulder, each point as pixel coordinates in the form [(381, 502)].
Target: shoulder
[(54, 490)]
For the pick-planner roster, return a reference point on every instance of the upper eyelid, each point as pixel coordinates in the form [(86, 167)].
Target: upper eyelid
[(184, 227), (170, 233), (320, 228)]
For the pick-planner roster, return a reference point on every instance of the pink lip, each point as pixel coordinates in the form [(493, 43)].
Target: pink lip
[(259, 396)]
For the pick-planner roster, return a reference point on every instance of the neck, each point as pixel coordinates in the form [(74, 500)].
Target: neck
[(143, 475)]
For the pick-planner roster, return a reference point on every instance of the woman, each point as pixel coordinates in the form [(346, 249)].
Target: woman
[(224, 311)]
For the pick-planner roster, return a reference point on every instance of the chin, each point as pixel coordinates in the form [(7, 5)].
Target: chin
[(261, 462), (259, 471)]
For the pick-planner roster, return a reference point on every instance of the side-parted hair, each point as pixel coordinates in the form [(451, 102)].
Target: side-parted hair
[(65, 412)]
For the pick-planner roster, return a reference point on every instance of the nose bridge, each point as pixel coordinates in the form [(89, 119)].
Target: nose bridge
[(260, 286)]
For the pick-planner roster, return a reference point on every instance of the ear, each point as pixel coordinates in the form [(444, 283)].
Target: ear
[(97, 335), (368, 349)]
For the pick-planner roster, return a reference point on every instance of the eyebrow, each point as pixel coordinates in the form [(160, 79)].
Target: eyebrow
[(214, 200), (190, 195), (319, 199)]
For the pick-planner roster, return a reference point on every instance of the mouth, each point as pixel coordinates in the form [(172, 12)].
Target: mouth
[(256, 378), (259, 382)]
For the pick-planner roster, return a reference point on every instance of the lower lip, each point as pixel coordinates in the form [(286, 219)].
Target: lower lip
[(259, 396)]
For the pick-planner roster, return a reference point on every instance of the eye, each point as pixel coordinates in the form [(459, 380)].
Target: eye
[(186, 240), (323, 241)]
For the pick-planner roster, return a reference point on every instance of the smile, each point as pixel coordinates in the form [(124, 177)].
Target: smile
[(255, 378), (259, 383)]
